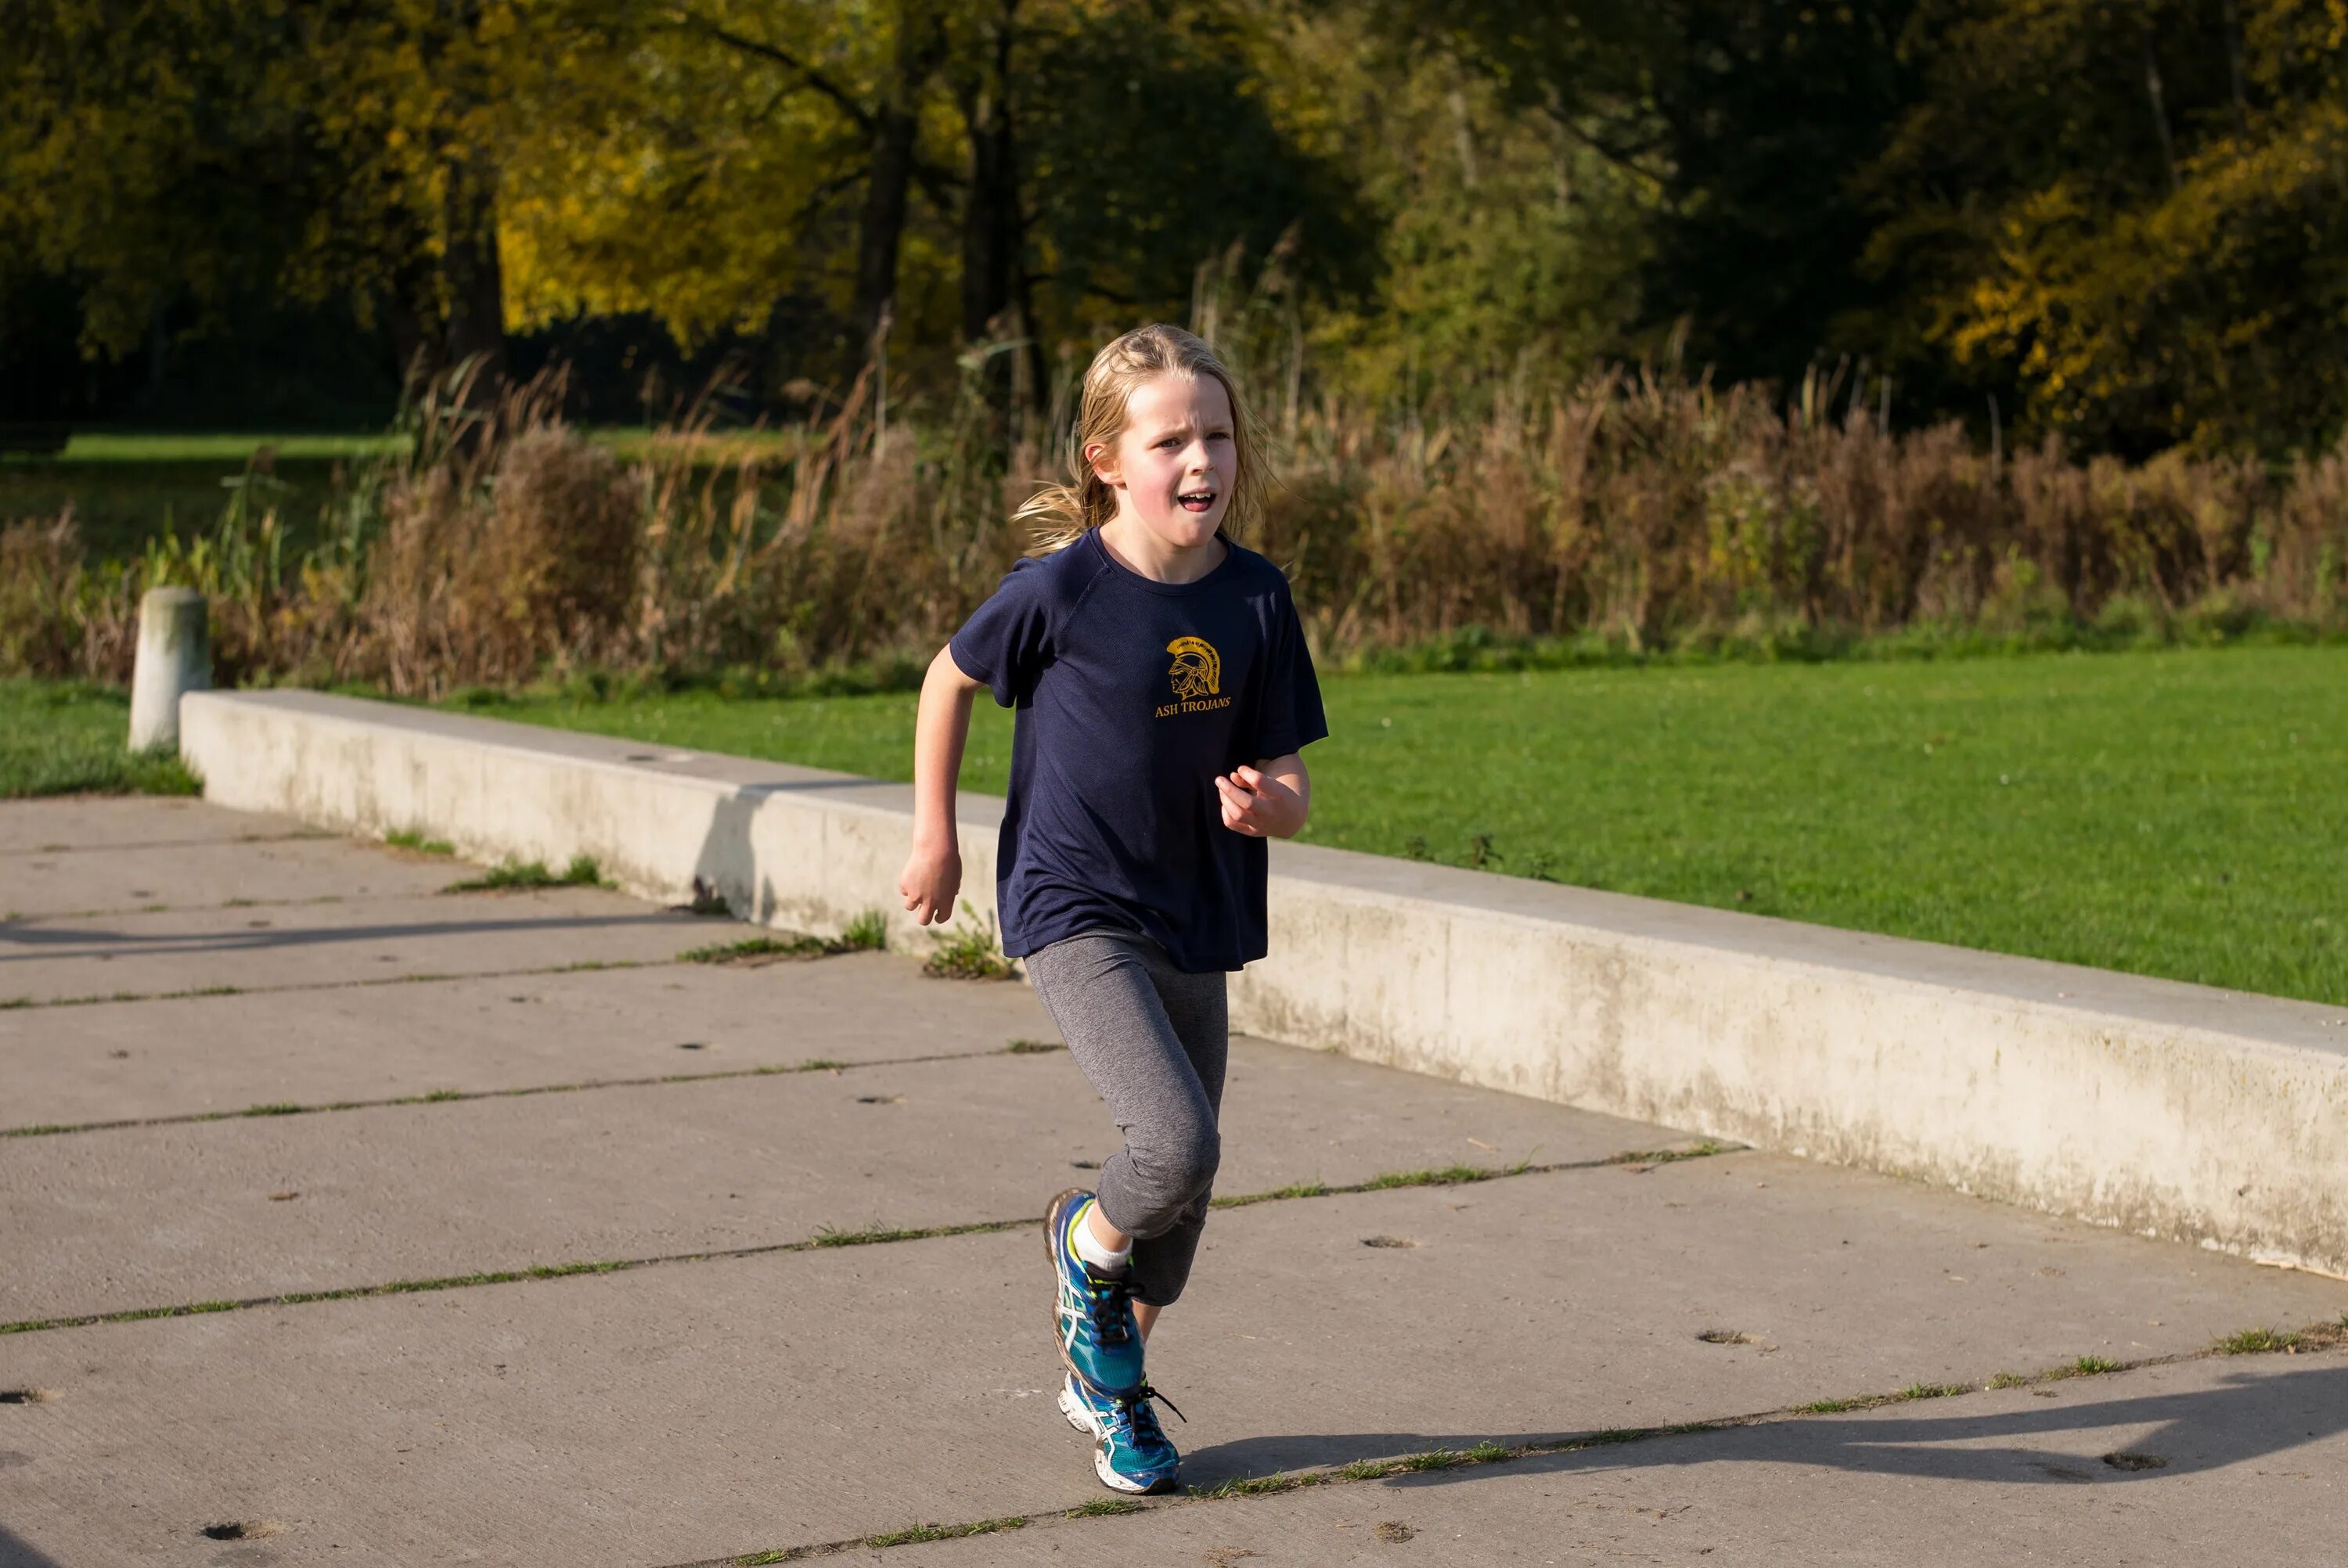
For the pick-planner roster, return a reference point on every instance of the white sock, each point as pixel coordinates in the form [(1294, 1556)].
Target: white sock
[(1088, 1246)]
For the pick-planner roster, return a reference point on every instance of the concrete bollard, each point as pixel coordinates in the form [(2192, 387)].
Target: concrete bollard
[(174, 657)]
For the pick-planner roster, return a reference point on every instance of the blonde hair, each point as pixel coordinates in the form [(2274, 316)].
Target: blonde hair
[(1060, 515)]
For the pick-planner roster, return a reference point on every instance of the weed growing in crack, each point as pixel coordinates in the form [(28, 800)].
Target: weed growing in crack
[(1103, 1508), (1448, 1176), (1931, 1391), (916, 1534), (582, 872), (2006, 1380), (1294, 1190), (871, 1236), (1829, 1407), (2129, 1461), (970, 953), (412, 839), (2258, 1341), (277, 1108), (867, 933), (1450, 1459), (1032, 1047), (1702, 1149), (1609, 1436), (1262, 1485), (753, 949), (2087, 1367)]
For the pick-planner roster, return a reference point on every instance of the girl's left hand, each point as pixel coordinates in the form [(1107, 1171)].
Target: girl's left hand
[(1257, 805)]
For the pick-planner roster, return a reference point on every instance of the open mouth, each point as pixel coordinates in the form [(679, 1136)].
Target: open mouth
[(1196, 500)]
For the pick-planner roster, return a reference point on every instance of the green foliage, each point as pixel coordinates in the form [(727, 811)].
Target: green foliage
[(752, 949), (867, 932), (2153, 253), (1175, 103), (969, 952), (2122, 222), (581, 872)]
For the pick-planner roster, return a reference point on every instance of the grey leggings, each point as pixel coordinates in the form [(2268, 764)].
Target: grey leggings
[(1152, 1040)]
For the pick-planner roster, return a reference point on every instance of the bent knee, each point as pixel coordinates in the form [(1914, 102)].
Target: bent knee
[(1177, 1170)]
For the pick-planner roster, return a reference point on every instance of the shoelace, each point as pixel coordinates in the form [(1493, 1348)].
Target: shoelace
[(1135, 1408), (1110, 1313)]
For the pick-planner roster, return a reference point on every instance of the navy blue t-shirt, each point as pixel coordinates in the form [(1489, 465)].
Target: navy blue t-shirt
[(1132, 695)]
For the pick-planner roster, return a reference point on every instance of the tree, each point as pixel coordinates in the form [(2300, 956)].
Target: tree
[(1750, 121), (167, 154), (981, 168), (2132, 217)]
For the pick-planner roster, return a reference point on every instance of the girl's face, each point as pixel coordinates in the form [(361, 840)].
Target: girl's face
[(1175, 462)]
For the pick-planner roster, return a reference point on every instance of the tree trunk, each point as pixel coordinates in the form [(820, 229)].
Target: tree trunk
[(472, 275), (885, 189), (991, 217), (896, 136), (995, 293), (2159, 110)]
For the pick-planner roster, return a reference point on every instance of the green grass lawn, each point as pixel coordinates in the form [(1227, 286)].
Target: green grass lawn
[(232, 447), (59, 737), (2177, 813)]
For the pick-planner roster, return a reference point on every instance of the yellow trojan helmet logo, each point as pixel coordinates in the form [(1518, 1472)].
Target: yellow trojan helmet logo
[(1198, 669)]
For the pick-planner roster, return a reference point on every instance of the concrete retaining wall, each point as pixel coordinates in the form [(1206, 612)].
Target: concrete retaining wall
[(2171, 1110)]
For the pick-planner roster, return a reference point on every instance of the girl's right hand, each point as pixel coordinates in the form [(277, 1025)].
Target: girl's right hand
[(932, 879)]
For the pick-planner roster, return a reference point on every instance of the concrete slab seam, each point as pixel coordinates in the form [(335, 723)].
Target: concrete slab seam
[(21, 1004), (309, 834), (456, 1096), (2315, 1340), (55, 915), (875, 1236)]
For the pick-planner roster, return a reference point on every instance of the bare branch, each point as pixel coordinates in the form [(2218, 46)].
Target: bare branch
[(847, 102)]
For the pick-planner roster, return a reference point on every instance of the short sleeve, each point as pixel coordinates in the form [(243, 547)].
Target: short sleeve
[(1007, 641), (1291, 718)]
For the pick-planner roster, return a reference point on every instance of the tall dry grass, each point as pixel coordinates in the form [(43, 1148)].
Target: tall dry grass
[(1659, 511), (1642, 512)]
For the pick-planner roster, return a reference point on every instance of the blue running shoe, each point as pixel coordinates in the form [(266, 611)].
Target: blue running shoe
[(1132, 1453), (1092, 1314)]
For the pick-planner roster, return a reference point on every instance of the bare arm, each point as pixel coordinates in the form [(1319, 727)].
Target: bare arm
[(934, 872), (1269, 799)]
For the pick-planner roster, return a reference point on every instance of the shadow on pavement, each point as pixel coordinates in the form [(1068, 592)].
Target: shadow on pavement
[(2246, 1417), (64, 942), (15, 1553)]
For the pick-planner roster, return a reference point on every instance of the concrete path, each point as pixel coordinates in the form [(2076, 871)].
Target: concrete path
[(418, 1244)]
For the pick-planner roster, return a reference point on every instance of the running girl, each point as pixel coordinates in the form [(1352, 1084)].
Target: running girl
[(1163, 692)]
